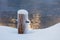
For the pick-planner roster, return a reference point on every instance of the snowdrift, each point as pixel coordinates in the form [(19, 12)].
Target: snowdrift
[(51, 33)]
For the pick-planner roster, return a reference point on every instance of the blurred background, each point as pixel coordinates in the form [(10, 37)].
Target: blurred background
[(42, 13)]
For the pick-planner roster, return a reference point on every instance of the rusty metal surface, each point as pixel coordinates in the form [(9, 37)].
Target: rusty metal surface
[(20, 24)]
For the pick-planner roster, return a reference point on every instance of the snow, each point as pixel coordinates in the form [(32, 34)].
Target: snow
[(51, 33), (7, 33), (22, 11)]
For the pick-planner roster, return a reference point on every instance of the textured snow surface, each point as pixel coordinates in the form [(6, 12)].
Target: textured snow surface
[(51, 33)]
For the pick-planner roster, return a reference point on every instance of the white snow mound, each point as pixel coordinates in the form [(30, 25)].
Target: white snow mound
[(51, 33)]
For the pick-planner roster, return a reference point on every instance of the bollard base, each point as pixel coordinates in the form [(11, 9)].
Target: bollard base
[(20, 30)]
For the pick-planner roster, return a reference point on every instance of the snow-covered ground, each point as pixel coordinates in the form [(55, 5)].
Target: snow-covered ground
[(51, 33)]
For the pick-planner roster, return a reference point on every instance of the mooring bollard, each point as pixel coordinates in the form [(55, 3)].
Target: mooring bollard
[(22, 21)]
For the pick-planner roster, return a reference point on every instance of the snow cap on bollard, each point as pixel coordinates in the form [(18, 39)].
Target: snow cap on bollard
[(22, 19), (22, 11)]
